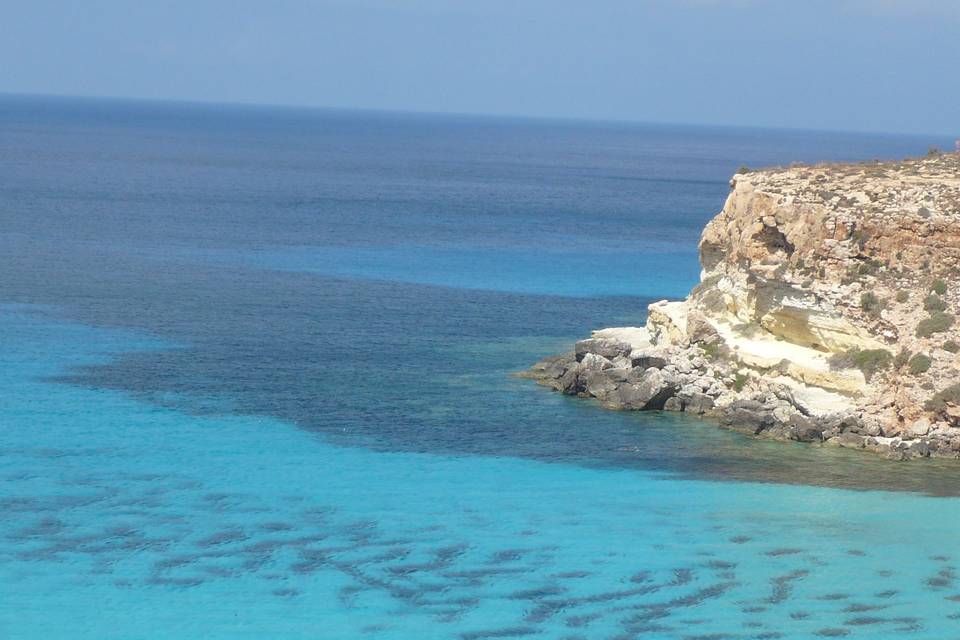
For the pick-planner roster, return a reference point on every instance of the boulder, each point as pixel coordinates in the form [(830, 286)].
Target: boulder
[(651, 391), (804, 429), (848, 440), (748, 416), (673, 403), (602, 384), (606, 347), (920, 449), (698, 403), (569, 382), (919, 428), (698, 328), (646, 358), (594, 362), (550, 368), (872, 429)]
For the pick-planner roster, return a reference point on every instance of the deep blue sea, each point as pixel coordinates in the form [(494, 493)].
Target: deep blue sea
[(255, 383)]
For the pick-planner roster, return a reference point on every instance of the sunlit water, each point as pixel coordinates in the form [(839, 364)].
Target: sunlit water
[(254, 382)]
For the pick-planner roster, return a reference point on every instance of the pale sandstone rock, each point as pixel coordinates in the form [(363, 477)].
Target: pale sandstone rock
[(595, 362), (803, 264), (919, 428), (636, 337), (605, 347)]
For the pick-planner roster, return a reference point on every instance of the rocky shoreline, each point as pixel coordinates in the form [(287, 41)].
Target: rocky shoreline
[(648, 379), (824, 315)]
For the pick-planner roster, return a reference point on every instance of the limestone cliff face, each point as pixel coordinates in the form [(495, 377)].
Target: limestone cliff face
[(827, 300)]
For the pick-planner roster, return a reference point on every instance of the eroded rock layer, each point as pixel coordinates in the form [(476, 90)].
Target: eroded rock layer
[(825, 313)]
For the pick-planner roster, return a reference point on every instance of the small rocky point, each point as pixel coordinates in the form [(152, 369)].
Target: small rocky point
[(825, 313)]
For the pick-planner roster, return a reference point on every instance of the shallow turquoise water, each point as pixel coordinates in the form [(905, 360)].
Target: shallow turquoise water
[(255, 382), (122, 519)]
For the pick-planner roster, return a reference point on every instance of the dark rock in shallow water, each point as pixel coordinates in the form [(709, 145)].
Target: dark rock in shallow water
[(804, 429), (673, 404), (594, 362), (602, 347), (748, 416), (603, 384), (651, 391), (550, 368), (920, 449), (848, 440), (569, 382), (557, 372), (698, 403)]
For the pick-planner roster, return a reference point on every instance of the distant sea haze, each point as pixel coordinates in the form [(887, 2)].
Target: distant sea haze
[(255, 379)]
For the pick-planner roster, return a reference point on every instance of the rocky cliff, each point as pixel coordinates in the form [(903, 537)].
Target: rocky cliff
[(825, 313)]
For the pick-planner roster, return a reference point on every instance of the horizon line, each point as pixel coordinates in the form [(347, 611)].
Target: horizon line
[(459, 114)]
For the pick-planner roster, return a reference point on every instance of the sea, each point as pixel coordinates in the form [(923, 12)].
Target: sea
[(257, 382)]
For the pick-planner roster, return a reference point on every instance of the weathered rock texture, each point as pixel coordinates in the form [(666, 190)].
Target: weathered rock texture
[(825, 313)]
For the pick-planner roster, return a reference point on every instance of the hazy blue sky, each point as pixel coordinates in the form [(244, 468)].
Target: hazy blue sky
[(888, 65)]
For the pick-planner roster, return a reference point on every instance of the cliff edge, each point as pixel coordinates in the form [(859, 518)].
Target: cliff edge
[(825, 313)]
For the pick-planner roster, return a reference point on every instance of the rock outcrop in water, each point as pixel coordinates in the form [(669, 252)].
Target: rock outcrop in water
[(825, 313)]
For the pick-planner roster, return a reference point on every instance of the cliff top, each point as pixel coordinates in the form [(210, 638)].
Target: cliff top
[(924, 188)]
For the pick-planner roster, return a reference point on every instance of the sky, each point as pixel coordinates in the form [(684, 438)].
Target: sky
[(870, 65)]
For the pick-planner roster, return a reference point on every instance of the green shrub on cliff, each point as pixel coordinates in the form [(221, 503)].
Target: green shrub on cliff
[(933, 302), (714, 349), (739, 382), (871, 304), (902, 359), (939, 286), (938, 403), (860, 237), (868, 361), (938, 322), (902, 295), (852, 275), (920, 363), (951, 346)]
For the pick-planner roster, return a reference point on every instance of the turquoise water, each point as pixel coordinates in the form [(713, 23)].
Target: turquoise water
[(574, 273), (123, 519), (255, 382)]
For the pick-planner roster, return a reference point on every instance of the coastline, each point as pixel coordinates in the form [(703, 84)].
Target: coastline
[(687, 382), (825, 314)]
